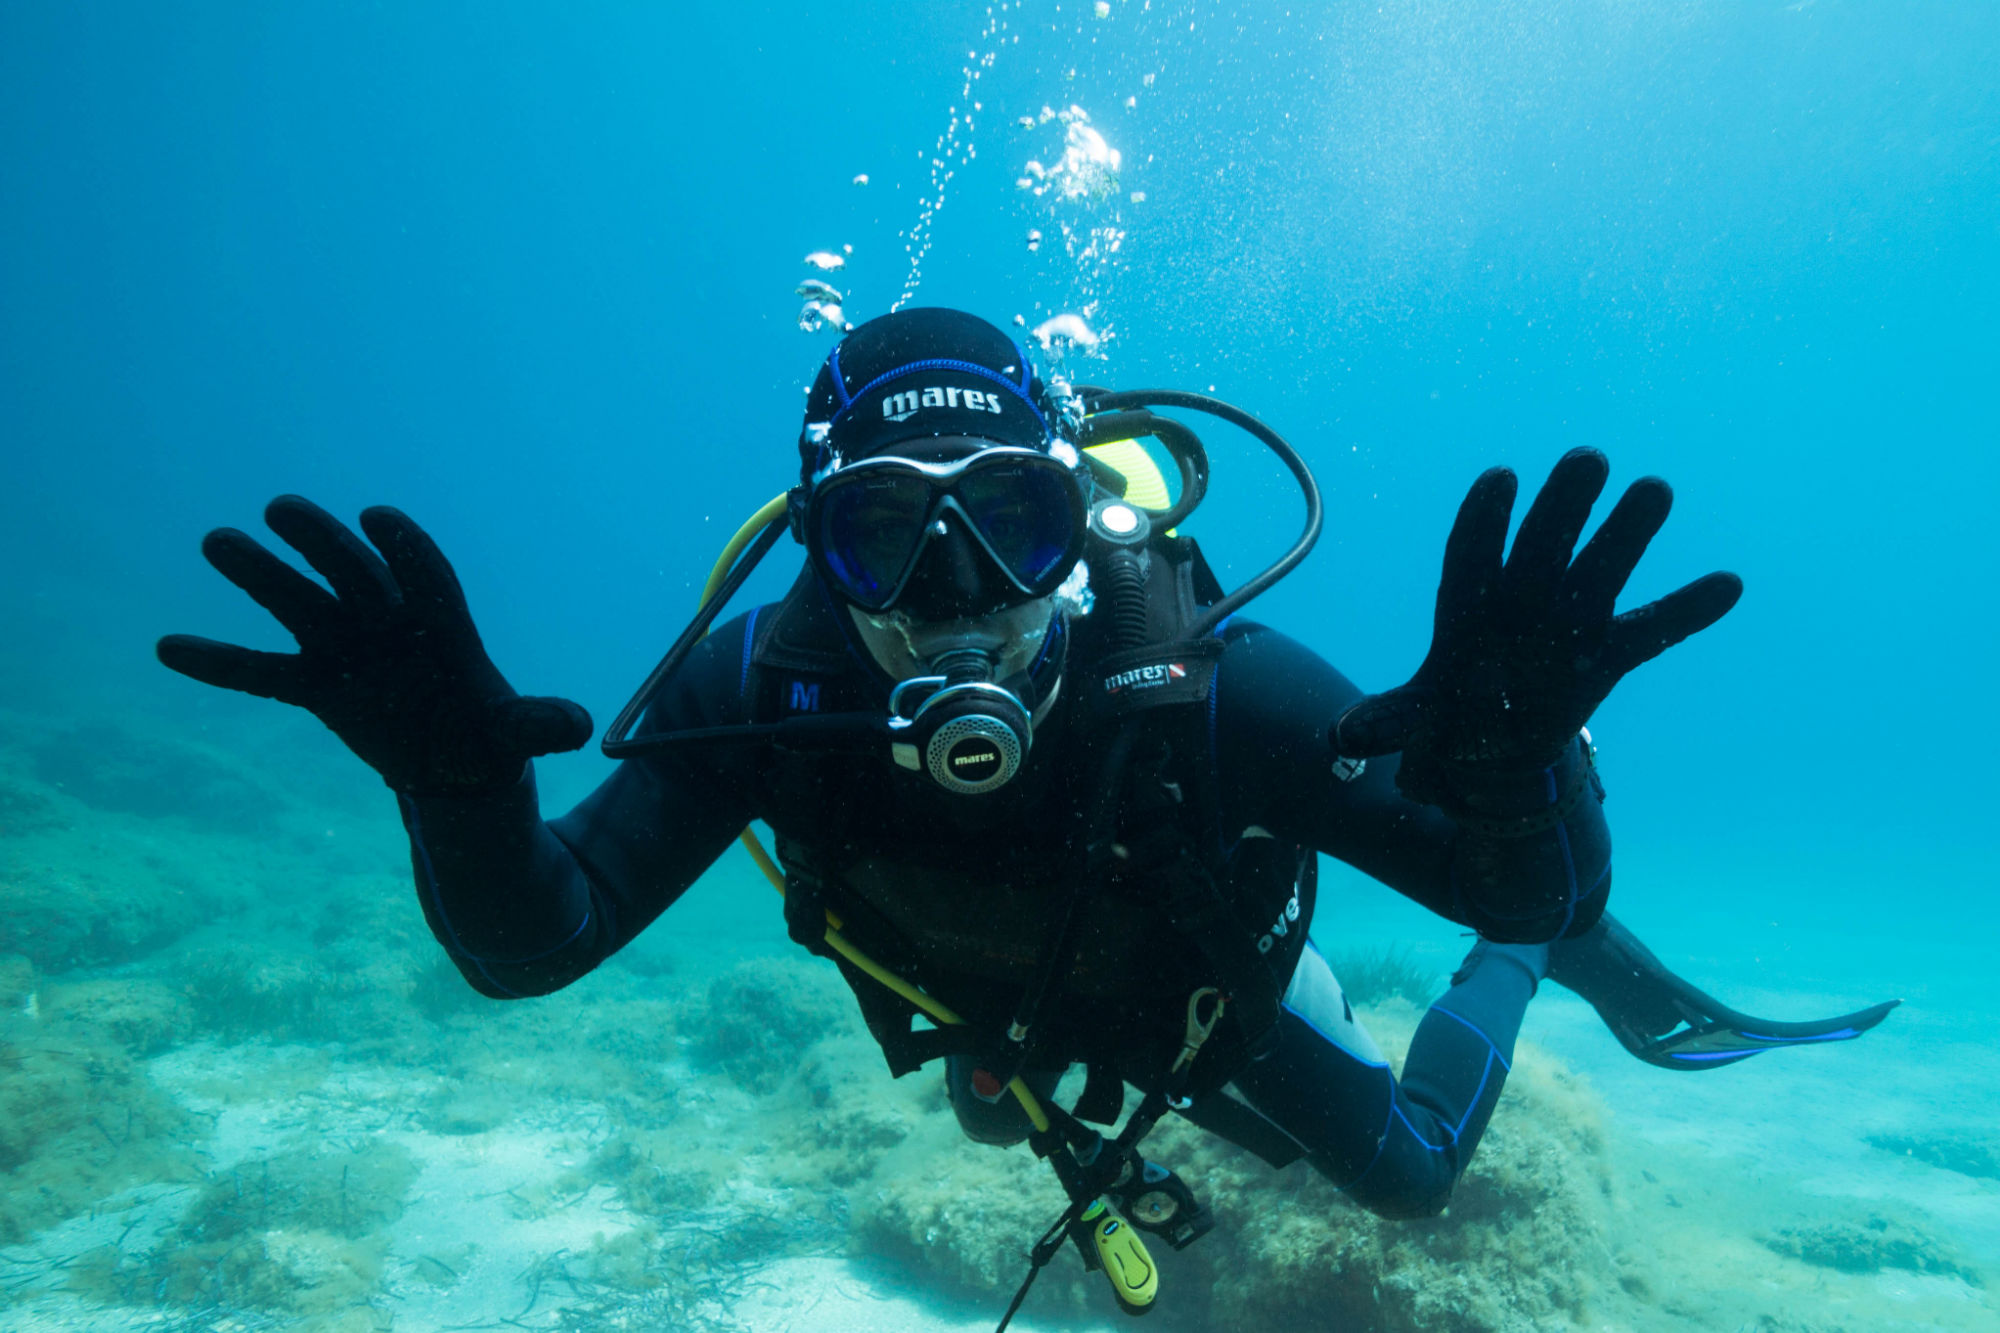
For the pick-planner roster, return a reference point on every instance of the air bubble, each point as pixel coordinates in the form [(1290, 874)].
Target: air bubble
[(1065, 331)]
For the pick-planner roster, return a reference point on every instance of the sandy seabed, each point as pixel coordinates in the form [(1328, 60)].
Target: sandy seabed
[(240, 1090)]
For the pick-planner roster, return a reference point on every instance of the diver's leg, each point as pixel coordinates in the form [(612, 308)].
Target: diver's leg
[(1395, 1149), (1002, 1123)]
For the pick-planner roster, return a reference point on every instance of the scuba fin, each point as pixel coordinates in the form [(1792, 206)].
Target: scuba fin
[(1664, 1020)]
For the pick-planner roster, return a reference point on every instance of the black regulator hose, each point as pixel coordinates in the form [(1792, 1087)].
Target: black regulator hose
[(1128, 399), (1125, 589), (618, 741)]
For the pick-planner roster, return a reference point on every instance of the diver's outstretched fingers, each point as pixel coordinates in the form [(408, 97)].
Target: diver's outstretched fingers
[(420, 568), (1478, 536), (294, 600), (1640, 635), (1555, 520), (1612, 553), (355, 572), (230, 667)]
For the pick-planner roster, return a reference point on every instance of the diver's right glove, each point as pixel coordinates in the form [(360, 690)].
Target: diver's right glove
[(389, 660)]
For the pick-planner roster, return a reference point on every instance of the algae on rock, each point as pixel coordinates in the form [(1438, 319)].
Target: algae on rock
[(764, 1013), (345, 1192), (1971, 1152), (1870, 1239), (142, 1015), (79, 1120), (298, 1233)]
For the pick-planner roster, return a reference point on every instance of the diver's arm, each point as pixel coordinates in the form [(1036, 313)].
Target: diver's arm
[(1522, 880), (525, 907), (390, 660)]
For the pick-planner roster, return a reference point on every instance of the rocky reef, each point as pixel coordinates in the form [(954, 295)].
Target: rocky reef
[(1871, 1240), (79, 1118)]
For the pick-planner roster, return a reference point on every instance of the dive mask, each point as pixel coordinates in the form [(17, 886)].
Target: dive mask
[(868, 523)]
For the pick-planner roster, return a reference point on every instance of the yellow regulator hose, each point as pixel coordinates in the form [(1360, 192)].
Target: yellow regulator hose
[(774, 512)]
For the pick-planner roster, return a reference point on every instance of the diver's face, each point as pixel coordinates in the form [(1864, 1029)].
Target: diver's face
[(957, 597)]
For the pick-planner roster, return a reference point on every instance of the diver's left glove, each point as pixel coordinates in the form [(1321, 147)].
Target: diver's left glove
[(389, 660), (1524, 650)]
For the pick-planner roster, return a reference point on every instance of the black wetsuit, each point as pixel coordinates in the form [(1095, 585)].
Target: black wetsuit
[(956, 891)]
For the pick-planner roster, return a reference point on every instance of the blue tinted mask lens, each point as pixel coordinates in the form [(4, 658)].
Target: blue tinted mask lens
[(869, 530), (870, 527), (1026, 513)]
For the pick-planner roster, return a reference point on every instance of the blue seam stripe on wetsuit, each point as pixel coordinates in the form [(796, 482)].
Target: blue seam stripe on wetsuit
[(1485, 1076), (1214, 733), (1573, 898), (1569, 861), (839, 380), (1477, 1031), (1455, 1131), (1334, 1041), (1321, 1032), (1057, 635), (847, 399)]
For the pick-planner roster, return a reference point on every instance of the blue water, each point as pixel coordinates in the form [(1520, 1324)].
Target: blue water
[(526, 272)]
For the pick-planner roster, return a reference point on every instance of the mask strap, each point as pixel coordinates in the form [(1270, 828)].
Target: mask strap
[(839, 383)]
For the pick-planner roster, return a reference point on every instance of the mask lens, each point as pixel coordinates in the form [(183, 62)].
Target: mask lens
[(1027, 512), (869, 529)]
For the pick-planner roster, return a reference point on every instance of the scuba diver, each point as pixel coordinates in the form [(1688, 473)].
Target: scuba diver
[(1038, 790)]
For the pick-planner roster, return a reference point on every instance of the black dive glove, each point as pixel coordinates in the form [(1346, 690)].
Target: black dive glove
[(1523, 652), (389, 659)]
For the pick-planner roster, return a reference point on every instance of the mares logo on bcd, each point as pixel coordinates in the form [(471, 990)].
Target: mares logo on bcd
[(1162, 676), (1149, 677)]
